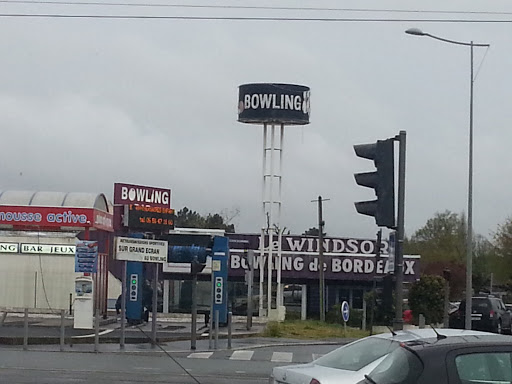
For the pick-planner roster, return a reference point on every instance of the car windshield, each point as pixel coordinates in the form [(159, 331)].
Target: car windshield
[(355, 356), (399, 367)]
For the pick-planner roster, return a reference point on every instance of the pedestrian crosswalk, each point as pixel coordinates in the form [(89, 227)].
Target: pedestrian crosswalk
[(257, 355)]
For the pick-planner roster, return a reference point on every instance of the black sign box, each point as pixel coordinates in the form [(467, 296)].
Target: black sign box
[(148, 218)]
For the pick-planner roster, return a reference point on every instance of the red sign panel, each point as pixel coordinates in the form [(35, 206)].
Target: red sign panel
[(125, 194), (55, 217)]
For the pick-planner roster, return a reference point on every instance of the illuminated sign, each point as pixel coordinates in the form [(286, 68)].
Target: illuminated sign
[(49, 217), (142, 195), (148, 218)]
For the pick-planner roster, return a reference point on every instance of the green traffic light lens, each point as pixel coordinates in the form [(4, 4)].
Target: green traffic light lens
[(219, 284), (134, 281)]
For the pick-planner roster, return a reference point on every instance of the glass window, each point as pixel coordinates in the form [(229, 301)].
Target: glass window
[(355, 356), (491, 367), (357, 299), (399, 367)]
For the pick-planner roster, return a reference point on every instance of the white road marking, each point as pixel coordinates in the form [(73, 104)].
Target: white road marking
[(92, 334), (242, 355), (200, 355), (282, 357)]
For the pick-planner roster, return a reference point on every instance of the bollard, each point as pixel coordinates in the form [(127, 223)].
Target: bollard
[(230, 321), (210, 331), (216, 329), (4, 316), (62, 330), (25, 333), (96, 330), (421, 320)]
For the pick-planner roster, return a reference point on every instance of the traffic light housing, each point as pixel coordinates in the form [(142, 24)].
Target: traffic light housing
[(382, 181), (219, 288), (134, 287)]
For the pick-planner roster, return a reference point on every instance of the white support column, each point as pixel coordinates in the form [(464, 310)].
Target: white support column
[(279, 300), (270, 260), (261, 272), (264, 218)]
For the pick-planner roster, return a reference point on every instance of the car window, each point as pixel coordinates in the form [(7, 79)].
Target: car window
[(399, 367), (357, 355), (491, 367), (480, 304)]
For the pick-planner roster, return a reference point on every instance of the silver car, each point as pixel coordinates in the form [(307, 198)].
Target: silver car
[(349, 363)]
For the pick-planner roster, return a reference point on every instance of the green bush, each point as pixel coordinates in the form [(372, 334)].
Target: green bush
[(273, 329), (292, 315), (426, 297), (356, 318), (334, 316)]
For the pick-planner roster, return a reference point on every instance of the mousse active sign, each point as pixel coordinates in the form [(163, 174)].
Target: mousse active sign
[(344, 258), (44, 217), (145, 250), (274, 103), (141, 195)]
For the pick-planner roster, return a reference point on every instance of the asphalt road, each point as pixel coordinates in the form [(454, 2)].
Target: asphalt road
[(26, 367)]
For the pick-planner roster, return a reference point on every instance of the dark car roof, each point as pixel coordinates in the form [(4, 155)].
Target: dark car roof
[(452, 342)]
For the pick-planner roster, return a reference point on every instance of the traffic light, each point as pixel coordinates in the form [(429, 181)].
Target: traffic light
[(134, 287), (218, 289), (382, 181), (387, 291)]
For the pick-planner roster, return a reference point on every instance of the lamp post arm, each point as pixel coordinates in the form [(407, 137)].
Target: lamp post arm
[(455, 41)]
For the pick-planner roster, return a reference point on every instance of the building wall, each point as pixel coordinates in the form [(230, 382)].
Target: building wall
[(37, 280)]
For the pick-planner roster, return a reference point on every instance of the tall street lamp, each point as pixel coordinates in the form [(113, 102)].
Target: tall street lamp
[(469, 237)]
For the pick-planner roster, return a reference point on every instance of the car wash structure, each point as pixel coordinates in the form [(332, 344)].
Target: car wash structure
[(40, 233)]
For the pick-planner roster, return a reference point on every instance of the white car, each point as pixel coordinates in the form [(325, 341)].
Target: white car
[(349, 363)]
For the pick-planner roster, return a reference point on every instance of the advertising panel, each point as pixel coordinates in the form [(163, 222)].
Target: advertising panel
[(49, 217), (148, 218), (86, 257), (344, 258), (274, 103), (141, 195), (144, 250)]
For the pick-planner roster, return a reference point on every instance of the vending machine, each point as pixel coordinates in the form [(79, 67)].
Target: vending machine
[(84, 303)]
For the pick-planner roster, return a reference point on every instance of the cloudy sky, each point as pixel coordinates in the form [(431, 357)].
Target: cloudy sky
[(88, 102)]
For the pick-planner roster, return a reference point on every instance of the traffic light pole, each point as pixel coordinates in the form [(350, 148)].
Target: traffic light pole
[(398, 323), (321, 288)]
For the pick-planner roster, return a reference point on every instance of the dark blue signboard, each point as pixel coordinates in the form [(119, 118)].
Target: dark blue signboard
[(86, 257), (220, 257), (273, 103)]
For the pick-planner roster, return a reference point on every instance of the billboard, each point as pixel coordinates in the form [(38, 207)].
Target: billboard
[(148, 218), (55, 217), (141, 195), (86, 257), (143, 250), (344, 258), (274, 103)]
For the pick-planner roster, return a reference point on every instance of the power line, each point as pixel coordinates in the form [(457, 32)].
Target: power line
[(245, 18), (251, 7)]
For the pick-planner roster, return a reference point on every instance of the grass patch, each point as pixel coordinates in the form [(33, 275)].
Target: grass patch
[(310, 330)]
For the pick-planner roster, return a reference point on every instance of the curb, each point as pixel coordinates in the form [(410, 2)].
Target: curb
[(51, 340)]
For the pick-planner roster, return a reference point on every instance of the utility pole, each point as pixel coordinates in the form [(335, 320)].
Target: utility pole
[(398, 323), (321, 224)]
